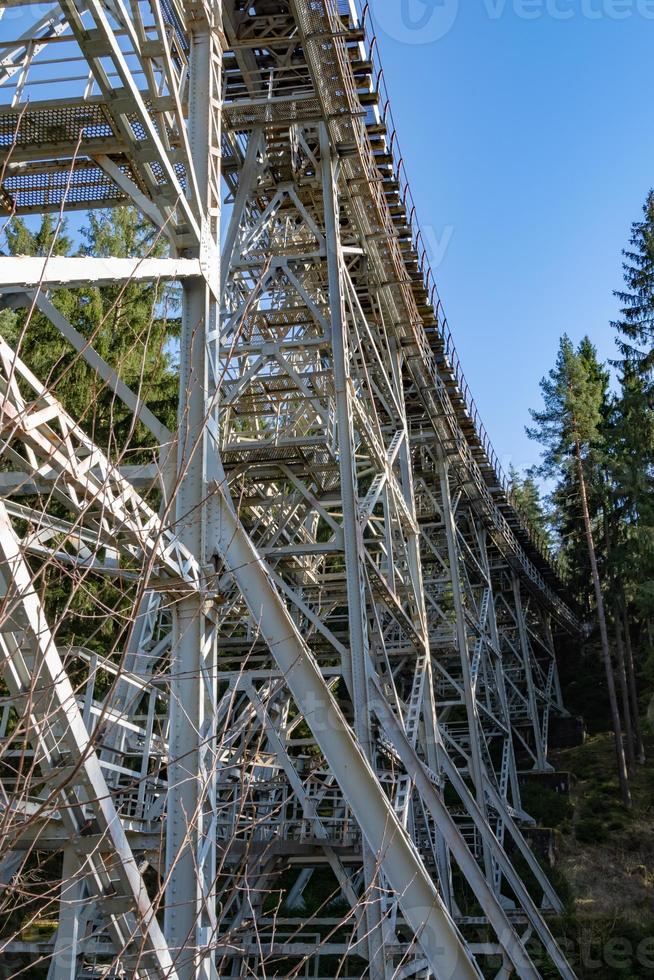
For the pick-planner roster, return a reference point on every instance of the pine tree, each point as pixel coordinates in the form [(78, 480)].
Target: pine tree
[(569, 429), (631, 441), (631, 464), (50, 238), (636, 324), (632, 422), (526, 499), (630, 459), (566, 514), (570, 536)]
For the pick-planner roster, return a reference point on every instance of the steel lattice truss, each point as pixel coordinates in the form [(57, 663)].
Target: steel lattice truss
[(340, 649)]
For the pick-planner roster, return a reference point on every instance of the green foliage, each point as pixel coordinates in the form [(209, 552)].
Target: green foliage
[(630, 462), (571, 428), (605, 863), (574, 395), (49, 239), (527, 501), (132, 329), (129, 326), (545, 805), (636, 324), (630, 456)]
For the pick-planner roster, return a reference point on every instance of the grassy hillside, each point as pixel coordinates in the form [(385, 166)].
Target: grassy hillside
[(605, 862)]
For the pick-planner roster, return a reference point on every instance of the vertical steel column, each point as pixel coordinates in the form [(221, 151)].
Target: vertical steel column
[(191, 817), (529, 677), (64, 963), (433, 744), (447, 953), (498, 673), (549, 635), (357, 669), (476, 761), (358, 626), (406, 470)]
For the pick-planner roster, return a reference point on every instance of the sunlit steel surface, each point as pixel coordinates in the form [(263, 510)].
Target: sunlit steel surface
[(342, 637)]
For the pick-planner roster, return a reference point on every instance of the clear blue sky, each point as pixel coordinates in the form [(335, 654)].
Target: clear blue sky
[(529, 145)]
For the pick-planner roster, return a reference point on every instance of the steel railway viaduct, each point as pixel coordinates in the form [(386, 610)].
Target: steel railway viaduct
[(304, 757)]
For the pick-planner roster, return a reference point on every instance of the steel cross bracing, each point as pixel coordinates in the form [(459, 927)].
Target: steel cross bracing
[(302, 758)]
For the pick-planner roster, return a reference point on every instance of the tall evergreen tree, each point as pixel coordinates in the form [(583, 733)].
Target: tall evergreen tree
[(569, 428), (566, 515), (632, 435), (635, 326), (631, 442)]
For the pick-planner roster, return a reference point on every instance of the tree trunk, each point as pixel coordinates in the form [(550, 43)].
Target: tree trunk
[(606, 653), (621, 671), (633, 689), (624, 695)]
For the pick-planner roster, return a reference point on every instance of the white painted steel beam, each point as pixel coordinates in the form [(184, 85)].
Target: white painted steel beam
[(59, 271), (355, 610), (33, 670), (418, 898)]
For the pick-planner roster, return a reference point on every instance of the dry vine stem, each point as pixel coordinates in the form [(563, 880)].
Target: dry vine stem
[(271, 666)]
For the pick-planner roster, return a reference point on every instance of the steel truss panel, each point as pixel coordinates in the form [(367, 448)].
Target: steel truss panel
[(340, 651)]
